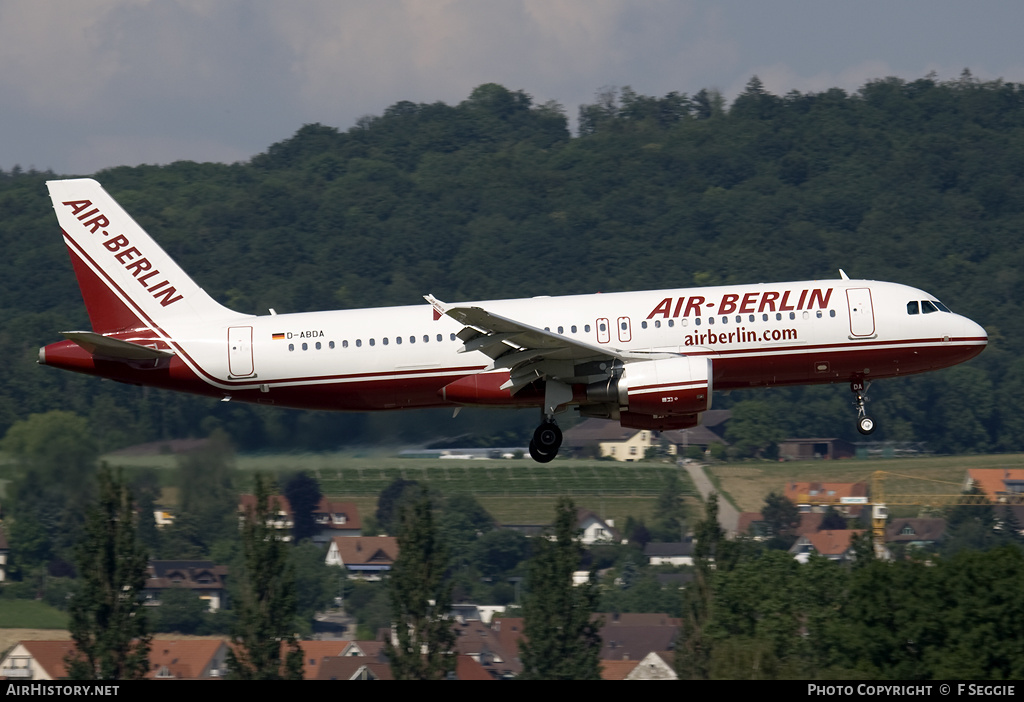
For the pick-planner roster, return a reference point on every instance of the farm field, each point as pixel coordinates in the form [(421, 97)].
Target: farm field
[(521, 491), (749, 483)]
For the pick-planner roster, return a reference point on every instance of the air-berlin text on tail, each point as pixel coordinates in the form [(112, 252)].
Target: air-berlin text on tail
[(747, 303), (125, 254)]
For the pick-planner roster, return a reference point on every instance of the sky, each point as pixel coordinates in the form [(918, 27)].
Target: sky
[(91, 84)]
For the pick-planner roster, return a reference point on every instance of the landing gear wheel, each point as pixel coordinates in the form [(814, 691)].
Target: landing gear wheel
[(536, 455), (548, 437), (865, 425)]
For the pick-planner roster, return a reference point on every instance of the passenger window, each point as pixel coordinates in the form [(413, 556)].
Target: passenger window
[(643, 325), (318, 347), (373, 342), (453, 337), (831, 313), (344, 344), (573, 328), (561, 330), (912, 307), (586, 328), (671, 322), (440, 338), (927, 307), (305, 346), (398, 339), (291, 347)]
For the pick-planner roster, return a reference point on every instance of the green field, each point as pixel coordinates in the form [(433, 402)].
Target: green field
[(513, 491), (30, 614), (748, 483)]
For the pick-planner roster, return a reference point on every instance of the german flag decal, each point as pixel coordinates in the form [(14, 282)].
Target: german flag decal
[(278, 336)]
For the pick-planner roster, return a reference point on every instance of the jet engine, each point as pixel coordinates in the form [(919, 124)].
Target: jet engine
[(664, 387)]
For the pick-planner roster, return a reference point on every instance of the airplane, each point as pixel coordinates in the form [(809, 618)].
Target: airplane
[(649, 360)]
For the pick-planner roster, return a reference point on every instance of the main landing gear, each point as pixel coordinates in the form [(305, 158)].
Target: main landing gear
[(546, 441), (865, 424)]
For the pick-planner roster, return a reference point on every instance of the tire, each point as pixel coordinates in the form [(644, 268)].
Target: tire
[(548, 437), (865, 425), (540, 457)]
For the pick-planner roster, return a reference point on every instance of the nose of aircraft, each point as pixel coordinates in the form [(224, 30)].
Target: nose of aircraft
[(974, 332)]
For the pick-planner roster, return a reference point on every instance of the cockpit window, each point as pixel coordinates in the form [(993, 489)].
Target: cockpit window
[(927, 307), (912, 307), (941, 306)]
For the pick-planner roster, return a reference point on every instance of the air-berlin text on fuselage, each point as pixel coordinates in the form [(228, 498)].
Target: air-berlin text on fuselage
[(126, 254), (747, 303)]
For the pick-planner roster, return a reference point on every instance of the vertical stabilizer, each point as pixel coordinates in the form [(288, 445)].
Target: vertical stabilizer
[(126, 279)]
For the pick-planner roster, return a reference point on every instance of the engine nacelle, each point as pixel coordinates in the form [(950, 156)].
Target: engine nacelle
[(668, 386)]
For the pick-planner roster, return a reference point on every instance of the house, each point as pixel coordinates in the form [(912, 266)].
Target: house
[(314, 653), (333, 518), (206, 580), (674, 553), (1002, 485), (496, 655), (596, 530), (36, 660), (4, 551), (632, 636), (656, 665), (917, 532), (604, 438), (752, 524), (848, 499), (810, 449), (170, 659), (835, 545), (364, 557), (191, 659), (353, 668)]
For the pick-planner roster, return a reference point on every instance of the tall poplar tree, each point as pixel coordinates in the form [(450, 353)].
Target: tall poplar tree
[(561, 638), (108, 620), (265, 605), (421, 599)]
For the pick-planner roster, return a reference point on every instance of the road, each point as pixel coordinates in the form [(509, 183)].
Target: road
[(728, 516)]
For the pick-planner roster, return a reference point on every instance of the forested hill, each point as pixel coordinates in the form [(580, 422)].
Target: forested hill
[(920, 182)]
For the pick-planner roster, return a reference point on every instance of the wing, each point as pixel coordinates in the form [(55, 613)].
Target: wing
[(528, 352)]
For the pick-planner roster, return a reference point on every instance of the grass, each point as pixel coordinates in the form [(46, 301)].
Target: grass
[(30, 614), (749, 483), (513, 491)]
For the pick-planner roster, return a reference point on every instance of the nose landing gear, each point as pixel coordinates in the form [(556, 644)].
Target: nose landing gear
[(865, 424)]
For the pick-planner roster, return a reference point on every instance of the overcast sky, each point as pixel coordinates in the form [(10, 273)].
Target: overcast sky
[(89, 84)]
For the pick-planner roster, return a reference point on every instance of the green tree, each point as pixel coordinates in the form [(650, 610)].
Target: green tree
[(207, 494), (265, 604), (107, 618), (561, 636), (420, 599), (303, 494), (181, 611), (782, 517), (669, 510)]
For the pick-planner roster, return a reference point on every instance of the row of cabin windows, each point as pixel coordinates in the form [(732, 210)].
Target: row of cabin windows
[(697, 321), (739, 319), (372, 342), (925, 307), (586, 328)]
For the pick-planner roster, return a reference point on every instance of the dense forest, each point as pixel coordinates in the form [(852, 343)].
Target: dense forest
[(918, 182)]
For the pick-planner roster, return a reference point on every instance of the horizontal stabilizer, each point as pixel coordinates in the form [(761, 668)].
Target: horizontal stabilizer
[(100, 345)]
